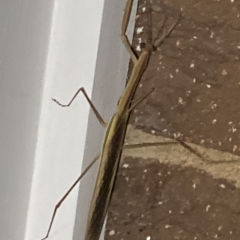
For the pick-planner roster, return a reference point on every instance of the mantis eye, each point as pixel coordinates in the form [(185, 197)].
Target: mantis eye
[(142, 45)]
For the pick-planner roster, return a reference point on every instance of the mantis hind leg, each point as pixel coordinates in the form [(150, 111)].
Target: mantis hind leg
[(57, 206), (97, 114)]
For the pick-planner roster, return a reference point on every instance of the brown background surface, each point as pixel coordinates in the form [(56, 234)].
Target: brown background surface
[(195, 73)]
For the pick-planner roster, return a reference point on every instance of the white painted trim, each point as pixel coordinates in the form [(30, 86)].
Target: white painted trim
[(50, 49)]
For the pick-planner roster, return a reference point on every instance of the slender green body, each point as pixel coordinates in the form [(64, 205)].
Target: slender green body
[(116, 130), (111, 151)]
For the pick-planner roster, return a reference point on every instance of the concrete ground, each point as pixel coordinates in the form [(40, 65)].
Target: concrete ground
[(191, 190)]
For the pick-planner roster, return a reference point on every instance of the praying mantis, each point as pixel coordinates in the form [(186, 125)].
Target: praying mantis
[(115, 132)]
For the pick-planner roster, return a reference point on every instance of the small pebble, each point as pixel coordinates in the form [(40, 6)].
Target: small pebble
[(224, 72), (214, 121), (234, 129), (111, 233), (180, 100), (153, 131), (138, 48), (235, 148), (207, 208), (139, 30), (213, 105), (177, 135)]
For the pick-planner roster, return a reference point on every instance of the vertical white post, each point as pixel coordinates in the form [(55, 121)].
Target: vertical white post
[(50, 49)]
